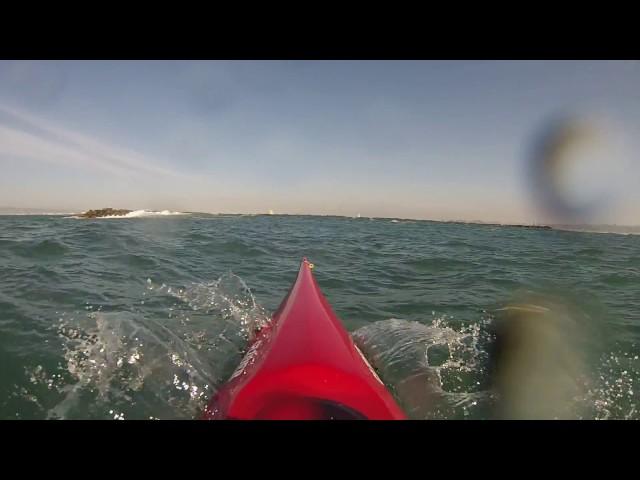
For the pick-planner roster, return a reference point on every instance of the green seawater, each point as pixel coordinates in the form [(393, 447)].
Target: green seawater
[(140, 318)]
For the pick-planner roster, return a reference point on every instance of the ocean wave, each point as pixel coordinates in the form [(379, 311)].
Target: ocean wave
[(39, 249)]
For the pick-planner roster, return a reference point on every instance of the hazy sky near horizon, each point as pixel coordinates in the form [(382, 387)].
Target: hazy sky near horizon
[(422, 139)]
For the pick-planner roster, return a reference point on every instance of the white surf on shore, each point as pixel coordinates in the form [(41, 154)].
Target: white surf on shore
[(138, 214)]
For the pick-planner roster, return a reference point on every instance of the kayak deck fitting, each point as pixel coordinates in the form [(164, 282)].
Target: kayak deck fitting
[(303, 366)]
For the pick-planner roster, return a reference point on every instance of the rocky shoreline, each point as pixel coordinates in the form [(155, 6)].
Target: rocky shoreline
[(104, 212), (541, 227)]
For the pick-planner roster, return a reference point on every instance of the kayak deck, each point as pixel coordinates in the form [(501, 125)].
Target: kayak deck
[(303, 366)]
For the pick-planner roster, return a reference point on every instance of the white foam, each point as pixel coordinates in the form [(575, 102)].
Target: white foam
[(146, 213)]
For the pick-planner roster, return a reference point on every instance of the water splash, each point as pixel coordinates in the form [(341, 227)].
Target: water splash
[(615, 394), (128, 365), (438, 371), (435, 370), (229, 297)]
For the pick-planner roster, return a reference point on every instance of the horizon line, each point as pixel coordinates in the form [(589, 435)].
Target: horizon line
[(45, 211)]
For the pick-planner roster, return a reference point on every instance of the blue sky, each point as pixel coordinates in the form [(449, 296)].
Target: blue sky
[(442, 140)]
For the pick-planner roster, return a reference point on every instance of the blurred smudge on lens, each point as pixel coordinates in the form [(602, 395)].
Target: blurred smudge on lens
[(573, 167)]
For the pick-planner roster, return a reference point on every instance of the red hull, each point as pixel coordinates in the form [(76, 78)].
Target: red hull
[(304, 366)]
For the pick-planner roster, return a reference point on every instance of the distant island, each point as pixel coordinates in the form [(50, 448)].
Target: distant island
[(520, 225), (104, 212)]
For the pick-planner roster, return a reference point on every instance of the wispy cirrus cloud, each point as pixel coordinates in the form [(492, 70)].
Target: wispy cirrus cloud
[(28, 136)]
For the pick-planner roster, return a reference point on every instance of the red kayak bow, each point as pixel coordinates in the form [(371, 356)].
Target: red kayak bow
[(303, 366)]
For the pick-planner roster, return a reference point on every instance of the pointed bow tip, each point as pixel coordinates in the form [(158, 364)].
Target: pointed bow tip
[(306, 264)]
